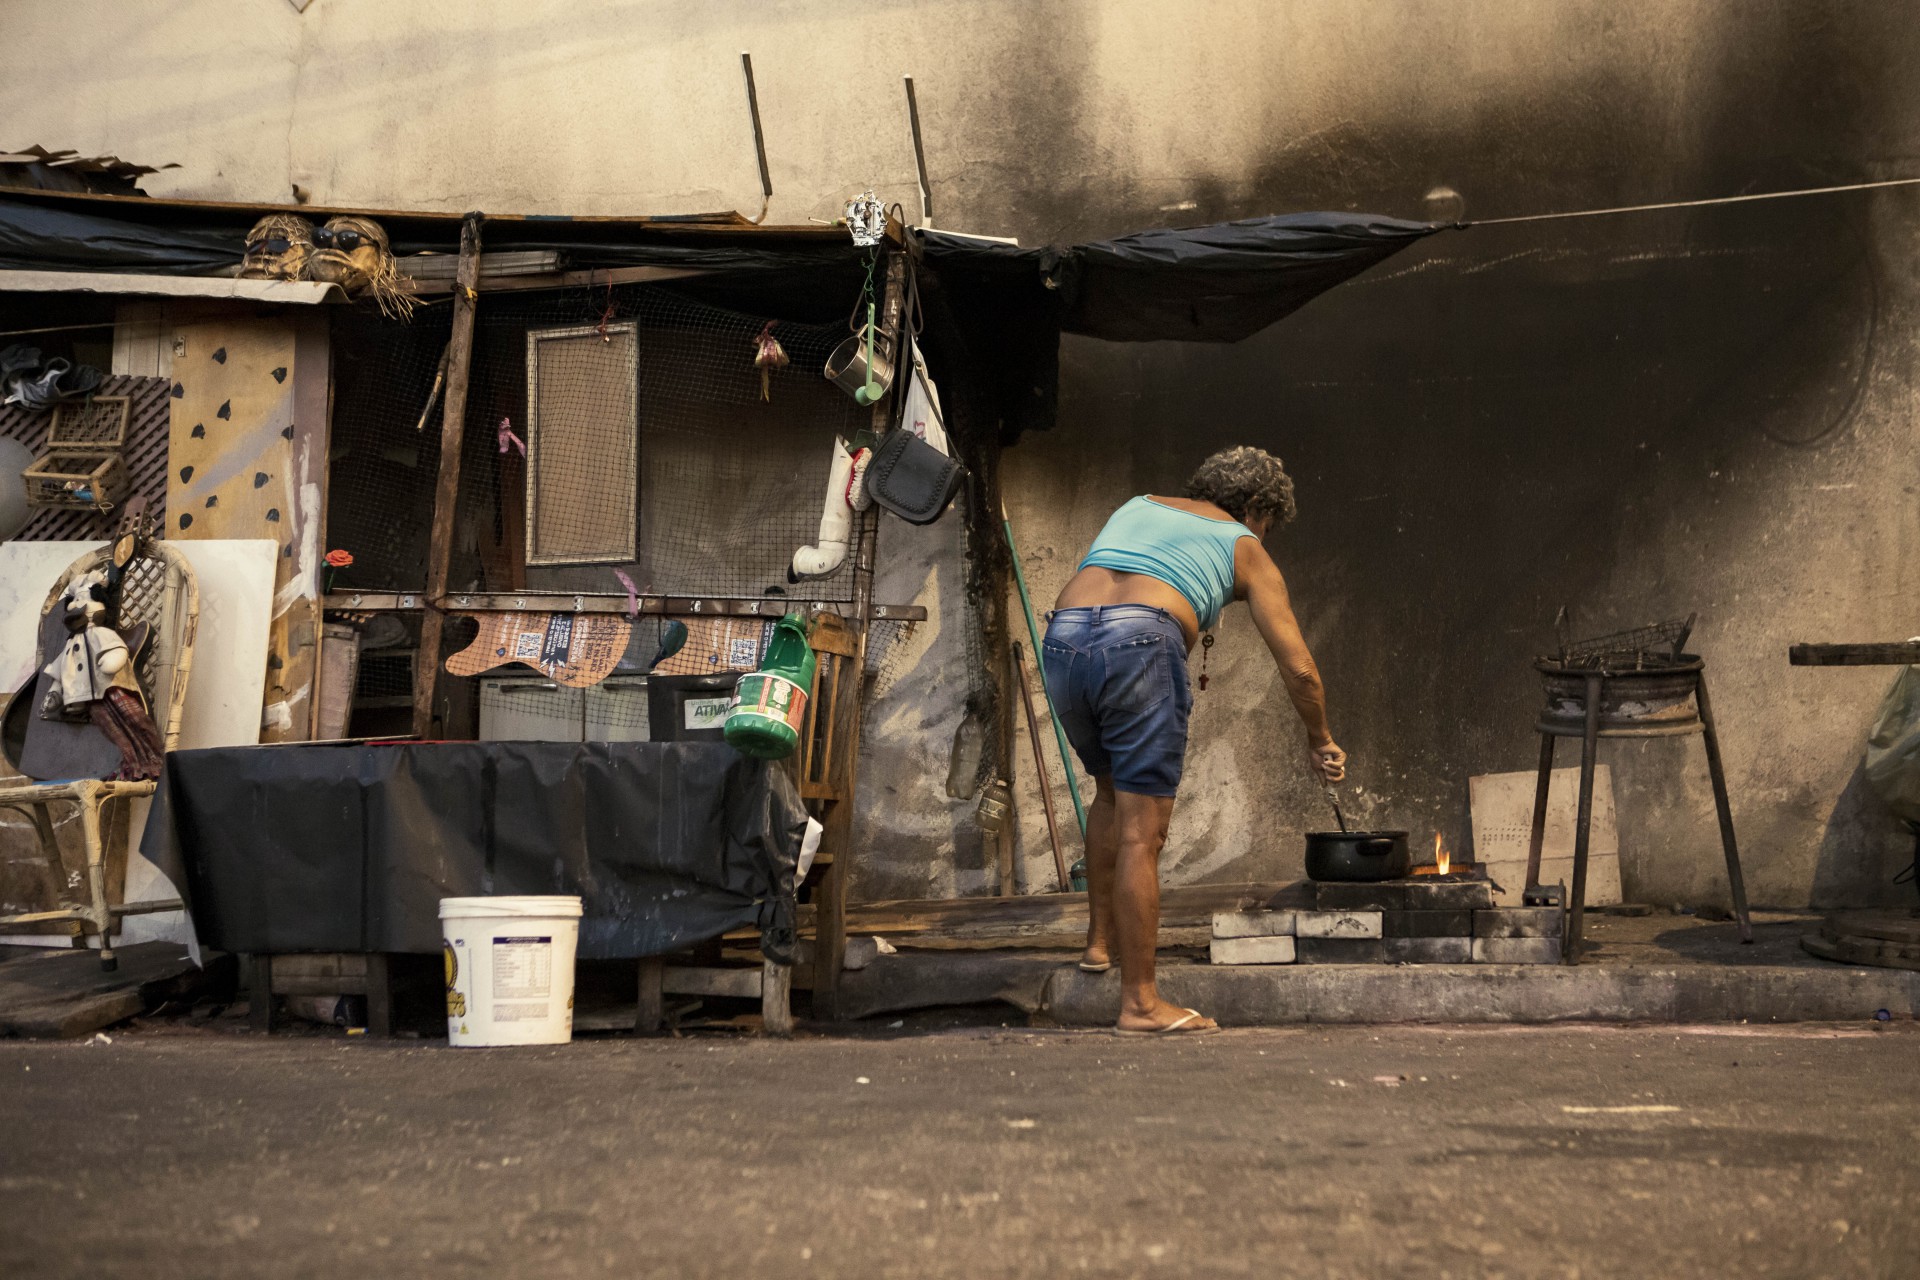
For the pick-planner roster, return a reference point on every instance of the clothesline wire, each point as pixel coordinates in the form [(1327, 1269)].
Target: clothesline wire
[(1695, 204)]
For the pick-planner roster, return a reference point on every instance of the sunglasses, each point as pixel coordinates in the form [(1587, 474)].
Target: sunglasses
[(345, 239), (275, 244)]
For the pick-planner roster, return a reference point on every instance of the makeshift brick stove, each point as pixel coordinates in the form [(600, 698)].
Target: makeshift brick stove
[(1431, 917)]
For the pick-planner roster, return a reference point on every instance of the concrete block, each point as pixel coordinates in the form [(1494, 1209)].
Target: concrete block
[(1428, 950), (1416, 893), (1519, 922), (1340, 951), (1427, 924), (1252, 924), (1267, 950), (1516, 950), (1336, 924), (1284, 994)]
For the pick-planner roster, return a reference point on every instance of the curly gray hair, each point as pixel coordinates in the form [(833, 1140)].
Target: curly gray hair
[(1246, 483)]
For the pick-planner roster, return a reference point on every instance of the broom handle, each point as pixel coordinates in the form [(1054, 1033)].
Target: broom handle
[(1033, 634), (1040, 766)]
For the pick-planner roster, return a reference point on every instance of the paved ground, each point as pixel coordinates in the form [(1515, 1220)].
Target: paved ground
[(970, 1151)]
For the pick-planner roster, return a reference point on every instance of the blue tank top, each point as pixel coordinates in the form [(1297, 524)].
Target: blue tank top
[(1191, 553)]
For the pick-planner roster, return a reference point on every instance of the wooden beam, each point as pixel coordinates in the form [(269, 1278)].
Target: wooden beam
[(446, 493), (602, 602), (744, 984), (560, 280), (1854, 655), (1013, 920)]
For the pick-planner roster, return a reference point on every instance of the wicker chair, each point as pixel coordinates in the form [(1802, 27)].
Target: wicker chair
[(158, 588)]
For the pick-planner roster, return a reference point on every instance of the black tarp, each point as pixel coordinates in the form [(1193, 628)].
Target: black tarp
[(1217, 283), (1008, 305), (351, 848), (42, 237)]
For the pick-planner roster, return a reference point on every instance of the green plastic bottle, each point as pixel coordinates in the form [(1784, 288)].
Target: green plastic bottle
[(770, 705)]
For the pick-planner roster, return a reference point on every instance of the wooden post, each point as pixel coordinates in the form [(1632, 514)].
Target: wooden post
[(836, 842), (260, 995), (776, 998), (652, 1010), (446, 493), (379, 996)]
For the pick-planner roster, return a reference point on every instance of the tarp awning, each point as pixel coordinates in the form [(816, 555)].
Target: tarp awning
[(1218, 283), (1005, 304)]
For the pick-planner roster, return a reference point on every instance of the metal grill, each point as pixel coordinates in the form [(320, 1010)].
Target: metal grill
[(1653, 647)]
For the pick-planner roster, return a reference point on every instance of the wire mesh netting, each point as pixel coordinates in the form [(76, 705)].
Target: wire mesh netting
[(616, 438), (616, 428)]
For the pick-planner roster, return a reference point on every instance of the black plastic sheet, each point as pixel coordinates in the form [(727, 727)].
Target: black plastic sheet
[(1218, 283), (351, 848), (1006, 306)]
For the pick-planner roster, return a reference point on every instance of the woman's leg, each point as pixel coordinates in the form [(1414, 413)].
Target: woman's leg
[(1142, 822), (1103, 844)]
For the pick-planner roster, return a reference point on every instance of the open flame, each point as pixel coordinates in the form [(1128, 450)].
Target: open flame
[(1442, 860)]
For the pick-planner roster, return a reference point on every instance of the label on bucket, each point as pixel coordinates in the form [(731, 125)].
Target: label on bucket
[(522, 970), (520, 1012), (774, 697), (706, 713)]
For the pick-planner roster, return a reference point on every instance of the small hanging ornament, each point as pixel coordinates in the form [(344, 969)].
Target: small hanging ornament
[(768, 355), (866, 219), (1206, 648)]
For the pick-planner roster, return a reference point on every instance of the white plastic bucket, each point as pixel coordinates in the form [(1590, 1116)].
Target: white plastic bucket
[(509, 969)]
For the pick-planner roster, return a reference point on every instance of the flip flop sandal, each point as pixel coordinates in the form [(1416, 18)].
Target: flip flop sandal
[(1178, 1027), (1095, 968)]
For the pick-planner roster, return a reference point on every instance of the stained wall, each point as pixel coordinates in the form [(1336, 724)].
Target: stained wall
[(1641, 415)]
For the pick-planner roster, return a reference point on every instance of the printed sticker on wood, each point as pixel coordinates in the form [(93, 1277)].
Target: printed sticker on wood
[(576, 649)]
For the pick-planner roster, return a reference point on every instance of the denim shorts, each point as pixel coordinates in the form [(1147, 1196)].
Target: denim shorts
[(1117, 674)]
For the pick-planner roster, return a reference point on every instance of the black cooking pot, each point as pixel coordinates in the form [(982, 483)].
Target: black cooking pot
[(1357, 855)]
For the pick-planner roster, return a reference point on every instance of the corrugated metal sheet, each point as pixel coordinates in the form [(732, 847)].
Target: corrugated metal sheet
[(146, 456)]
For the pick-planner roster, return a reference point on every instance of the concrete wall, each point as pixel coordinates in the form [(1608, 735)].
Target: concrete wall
[(1642, 415)]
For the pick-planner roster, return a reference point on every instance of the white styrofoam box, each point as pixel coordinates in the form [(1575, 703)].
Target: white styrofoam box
[(1603, 878), (224, 690), (1252, 924), (1272, 950), (1336, 924), (530, 709), (1502, 810), (616, 710)]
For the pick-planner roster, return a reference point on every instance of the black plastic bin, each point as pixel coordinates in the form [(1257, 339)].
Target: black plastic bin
[(689, 708)]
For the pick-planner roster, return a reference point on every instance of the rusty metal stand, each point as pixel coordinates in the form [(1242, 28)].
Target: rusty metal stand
[(1591, 728)]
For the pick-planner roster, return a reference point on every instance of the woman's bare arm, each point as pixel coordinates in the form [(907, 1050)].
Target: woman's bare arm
[(1266, 594)]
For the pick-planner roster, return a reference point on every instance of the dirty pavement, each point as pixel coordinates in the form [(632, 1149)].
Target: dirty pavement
[(943, 1147)]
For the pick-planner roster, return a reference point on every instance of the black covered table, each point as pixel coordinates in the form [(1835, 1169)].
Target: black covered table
[(351, 847)]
